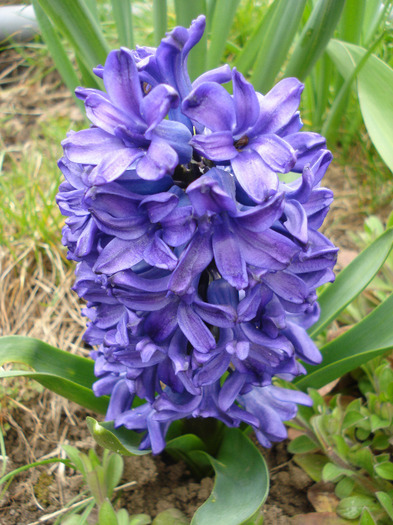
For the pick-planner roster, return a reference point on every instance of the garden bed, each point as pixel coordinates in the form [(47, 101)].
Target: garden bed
[(36, 301)]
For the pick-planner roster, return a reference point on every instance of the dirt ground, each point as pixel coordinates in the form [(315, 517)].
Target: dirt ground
[(40, 304)]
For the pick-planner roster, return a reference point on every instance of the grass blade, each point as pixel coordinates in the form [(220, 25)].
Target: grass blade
[(314, 37), (352, 280), (277, 40), (66, 374), (56, 49), (122, 14), (223, 16), (159, 20), (368, 339)]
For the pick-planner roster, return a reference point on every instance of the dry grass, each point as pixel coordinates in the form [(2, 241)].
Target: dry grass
[(36, 298), (35, 279)]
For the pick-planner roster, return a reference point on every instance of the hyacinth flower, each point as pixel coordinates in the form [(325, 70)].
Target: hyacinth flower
[(198, 263)]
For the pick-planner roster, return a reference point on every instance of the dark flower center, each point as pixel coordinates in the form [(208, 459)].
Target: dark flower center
[(239, 144), (184, 175)]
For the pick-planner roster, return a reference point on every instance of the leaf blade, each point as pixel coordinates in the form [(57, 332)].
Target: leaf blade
[(241, 484), (352, 280), (66, 374), (367, 339)]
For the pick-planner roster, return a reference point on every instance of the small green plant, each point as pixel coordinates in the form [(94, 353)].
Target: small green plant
[(102, 479), (347, 441)]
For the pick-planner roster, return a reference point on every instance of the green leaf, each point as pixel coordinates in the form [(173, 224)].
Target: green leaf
[(301, 445), (384, 470), (140, 519), (344, 487), (338, 108), (223, 16), (312, 464), (187, 11), (241, 484), (377, 423), (75, 21), (113, 471), (332, 472), (314, 37), (386, 501), (351, 418), (374, 91), (380, 442), (171, 517), (366, 518), (351, 22), (276, 42), (352, 507), (119, 440), (106, 515), (369, 338), (159, 20), (75, 456), (122, 15), (352, 280), (59, 55), (183, 448), (64, 373)]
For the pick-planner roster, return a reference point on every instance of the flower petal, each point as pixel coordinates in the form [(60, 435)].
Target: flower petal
[(194, 329), (156, 104), (275, 152), (113, 165), (195, 258), (278, 106), (211, 105), (122, 82), (90, 146), (227, 255), (217, 146), (246, 103), (160, 160), (256, 178)]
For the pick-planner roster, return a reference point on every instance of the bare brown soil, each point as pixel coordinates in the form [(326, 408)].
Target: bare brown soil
[(35, 300)]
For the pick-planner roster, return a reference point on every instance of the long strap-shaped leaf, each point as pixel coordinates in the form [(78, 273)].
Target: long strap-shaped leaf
[(122, 14), (75, 21), (368, 339), (352, 280), (56, 48), (187, 11), (66, 374), (375, 93), (159, 20), (314, 38), (276, 42), (224, 13)]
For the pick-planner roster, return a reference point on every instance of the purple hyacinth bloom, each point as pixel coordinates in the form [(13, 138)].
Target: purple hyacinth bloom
[(257, 134), (129, 126), (198, 263)]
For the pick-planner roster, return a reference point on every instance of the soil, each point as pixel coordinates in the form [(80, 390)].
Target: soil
[(36, 423), (38, 428)]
